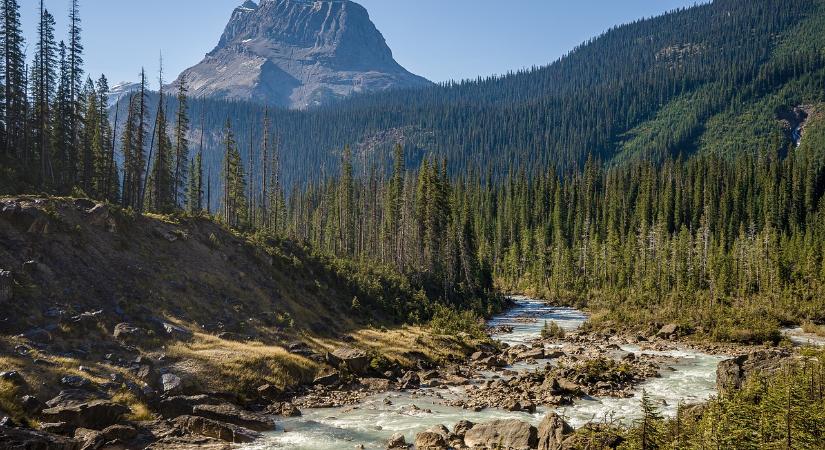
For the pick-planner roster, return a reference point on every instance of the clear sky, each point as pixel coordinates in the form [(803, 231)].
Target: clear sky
[(438, 39)]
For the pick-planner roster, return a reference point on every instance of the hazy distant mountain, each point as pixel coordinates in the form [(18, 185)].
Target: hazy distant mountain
[(298, 53)]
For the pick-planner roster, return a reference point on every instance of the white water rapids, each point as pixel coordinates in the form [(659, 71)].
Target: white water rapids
[(372, 422)]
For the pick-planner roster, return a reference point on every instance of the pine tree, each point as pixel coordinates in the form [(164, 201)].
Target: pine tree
[(75, 75), (14, 80), (161, 180), (91, 141), (234, 184), (181, 144), (43, 86), (105, 167), (195, 190)]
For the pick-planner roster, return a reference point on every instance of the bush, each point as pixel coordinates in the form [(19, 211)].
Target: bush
[(449, 321), (552, 330)]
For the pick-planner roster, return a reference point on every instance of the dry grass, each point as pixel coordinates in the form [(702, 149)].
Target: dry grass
[(404, 345), (139, 410), (239, 367), (812, 328)]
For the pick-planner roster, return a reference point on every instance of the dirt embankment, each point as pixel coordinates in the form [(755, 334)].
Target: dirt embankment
[(147, 329)]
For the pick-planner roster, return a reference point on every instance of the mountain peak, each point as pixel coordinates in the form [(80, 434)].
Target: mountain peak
[(298, 53)]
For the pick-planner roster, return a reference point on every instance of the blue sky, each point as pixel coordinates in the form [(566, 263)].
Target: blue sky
[(438, 39)]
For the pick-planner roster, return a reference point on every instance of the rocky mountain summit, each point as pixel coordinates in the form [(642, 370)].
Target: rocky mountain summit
[(298, 53)]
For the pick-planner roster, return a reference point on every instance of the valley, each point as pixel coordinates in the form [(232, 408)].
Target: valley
[(299, 244)]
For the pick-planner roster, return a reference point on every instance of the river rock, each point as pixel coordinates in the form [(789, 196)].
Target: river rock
[(410, 380), (552, 431), (462, 427), (397, 441), (357, 361), (215, 429), (430, 440), (269, 392), (509, 434), (183, 405), (327, 379), (95, 415), (232, 414), (667, 331)]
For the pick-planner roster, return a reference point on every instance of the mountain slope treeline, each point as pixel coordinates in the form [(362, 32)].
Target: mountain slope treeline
[(711, 78), (727, 247)]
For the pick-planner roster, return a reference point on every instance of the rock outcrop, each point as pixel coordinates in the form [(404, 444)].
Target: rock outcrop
[(731, 374), (510, 434), (298, 53)]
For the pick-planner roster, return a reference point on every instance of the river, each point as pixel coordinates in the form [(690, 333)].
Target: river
[(691, 378)]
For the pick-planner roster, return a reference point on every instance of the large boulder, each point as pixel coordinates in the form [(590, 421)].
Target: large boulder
[(171, 383), (95, 415), (667, 331), (509, 434), (232, 414), (731, 374), (183, 405), (6, 286), (430, 440), (552, 431), (215, 429), (356, 361), (396, 442), (18, 438)]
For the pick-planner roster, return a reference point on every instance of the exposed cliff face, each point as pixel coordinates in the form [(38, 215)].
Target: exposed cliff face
[(298, 53)]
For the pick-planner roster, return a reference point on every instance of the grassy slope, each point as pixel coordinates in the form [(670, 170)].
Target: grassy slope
[(193, 273)]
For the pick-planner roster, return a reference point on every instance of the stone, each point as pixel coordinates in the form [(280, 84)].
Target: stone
[(397, 441), (31, 405), (667, 331), (430, 440), (96, 415), (410, 380), (125, 332), (75, 382), (552, 431), (287, 409), (356, 361), (269, 392), (183, 405), (462, 427), (6, 286), (509, 434), (13, 377), (171, 383), (105, 438), (69, 397), (328, 379), (232, 414), (215, 429), (376, 384), (731, 374), (18, 438)]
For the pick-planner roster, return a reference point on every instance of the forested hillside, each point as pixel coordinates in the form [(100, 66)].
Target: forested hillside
[(715, 78)]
